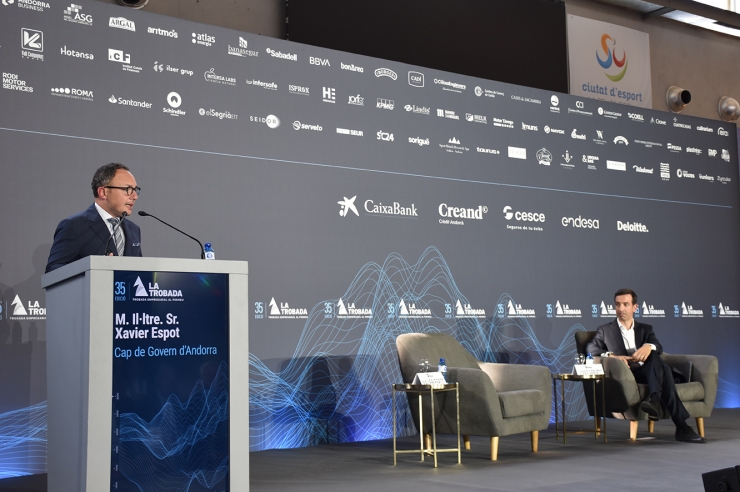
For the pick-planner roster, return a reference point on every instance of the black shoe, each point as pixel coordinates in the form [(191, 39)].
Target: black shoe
[(650, 408), (687, 434)]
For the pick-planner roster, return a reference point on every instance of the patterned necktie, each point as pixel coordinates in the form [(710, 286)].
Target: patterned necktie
[(118, 235)]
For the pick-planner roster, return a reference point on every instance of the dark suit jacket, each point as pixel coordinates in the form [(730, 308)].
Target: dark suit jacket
[(609, 339), (85, 234)]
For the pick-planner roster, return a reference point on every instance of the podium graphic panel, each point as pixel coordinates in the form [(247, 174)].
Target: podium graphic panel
[(170, 380)]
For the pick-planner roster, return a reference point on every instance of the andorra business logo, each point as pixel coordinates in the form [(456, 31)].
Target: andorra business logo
[(609, 48)]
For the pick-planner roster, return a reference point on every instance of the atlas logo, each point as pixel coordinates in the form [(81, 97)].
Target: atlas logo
[(347, 205), (416, 79), (322, 62), (203, 39), (608, 46)]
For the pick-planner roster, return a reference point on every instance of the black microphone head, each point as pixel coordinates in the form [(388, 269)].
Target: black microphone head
[(124, 214), (142, 213)]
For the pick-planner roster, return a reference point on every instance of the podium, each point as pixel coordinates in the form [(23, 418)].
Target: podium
[(147, 375)]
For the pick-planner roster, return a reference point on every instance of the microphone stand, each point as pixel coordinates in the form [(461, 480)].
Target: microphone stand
[(202, 251)]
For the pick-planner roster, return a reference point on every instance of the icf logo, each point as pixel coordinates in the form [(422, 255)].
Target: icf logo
[(610, 52)]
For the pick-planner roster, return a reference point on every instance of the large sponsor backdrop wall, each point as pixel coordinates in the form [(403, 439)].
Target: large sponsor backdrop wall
[(371, 198)]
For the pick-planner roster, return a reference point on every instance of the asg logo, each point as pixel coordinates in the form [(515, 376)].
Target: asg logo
[(416, 79), (73, 14), (608, 46), (322, 62), (347, 205)]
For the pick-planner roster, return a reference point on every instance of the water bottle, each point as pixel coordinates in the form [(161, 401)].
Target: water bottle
[(210, 254), (442, 367), (589, 359)]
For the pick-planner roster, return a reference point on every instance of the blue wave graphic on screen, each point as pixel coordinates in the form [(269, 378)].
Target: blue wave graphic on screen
[(185, 441), (23, 441), (324, 396)]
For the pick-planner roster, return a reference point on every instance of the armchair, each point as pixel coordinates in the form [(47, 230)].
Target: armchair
[(624, 395), (495, 399)]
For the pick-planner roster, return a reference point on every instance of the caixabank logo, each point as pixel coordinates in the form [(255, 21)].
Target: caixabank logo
[(122, 291), (31, 310)]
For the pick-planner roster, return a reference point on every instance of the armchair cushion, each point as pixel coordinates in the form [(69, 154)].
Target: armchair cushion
[(521, 403)]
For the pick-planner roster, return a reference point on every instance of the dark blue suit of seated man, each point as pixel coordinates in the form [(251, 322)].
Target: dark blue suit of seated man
[(100, 229), (639, 348)]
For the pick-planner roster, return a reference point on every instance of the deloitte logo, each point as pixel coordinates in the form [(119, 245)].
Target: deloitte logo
[(631, 227)]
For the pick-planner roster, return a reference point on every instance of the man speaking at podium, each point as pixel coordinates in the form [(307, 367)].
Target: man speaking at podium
[(101, 229)]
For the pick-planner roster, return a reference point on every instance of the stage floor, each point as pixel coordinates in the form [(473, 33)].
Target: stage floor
[(653, 462)]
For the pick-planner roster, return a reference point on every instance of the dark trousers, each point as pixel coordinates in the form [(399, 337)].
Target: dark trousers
[(659, 379)]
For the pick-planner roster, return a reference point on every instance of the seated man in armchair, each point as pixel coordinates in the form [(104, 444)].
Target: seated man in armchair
[(639, 348)]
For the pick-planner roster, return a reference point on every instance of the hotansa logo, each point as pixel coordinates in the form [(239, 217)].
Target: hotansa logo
[(608, 46), (142, 293)]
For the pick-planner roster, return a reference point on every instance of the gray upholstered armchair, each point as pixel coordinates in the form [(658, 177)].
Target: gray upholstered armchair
[(624, 395), (495, 399)]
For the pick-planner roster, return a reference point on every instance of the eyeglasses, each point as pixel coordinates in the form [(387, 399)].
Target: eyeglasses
[(128, 189)]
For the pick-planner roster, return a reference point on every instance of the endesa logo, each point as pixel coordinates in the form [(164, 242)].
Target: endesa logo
[(580, 223)]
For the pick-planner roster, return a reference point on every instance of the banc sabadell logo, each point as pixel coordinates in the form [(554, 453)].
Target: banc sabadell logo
[(612, 59)]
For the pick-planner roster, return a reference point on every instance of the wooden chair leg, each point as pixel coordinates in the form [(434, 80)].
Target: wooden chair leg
[(700, 426), (535, 441), (494, 448), (466, 440), (651, 426), (633, 430)]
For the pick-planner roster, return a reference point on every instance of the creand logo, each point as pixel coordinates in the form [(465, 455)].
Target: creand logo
[(122, 23), (462, 212), (609, 53), (154, 290)]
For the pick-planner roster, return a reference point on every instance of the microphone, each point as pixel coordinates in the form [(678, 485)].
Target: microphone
[(202, 252), (108, 251)]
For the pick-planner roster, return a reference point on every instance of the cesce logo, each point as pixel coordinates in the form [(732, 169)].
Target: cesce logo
[(523, 216), (611, 58)]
